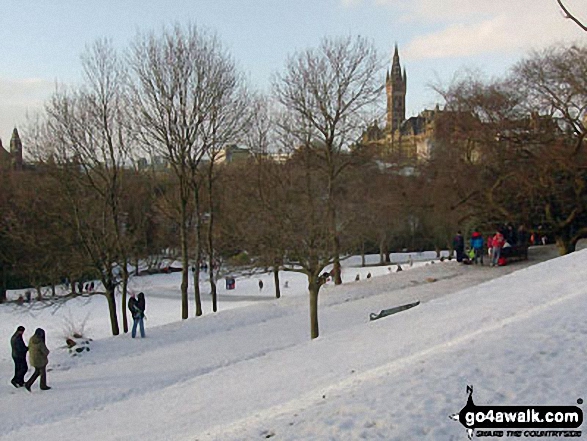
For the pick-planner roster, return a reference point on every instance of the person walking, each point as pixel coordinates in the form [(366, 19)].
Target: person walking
[(477, 246), (459, 246), (137, 309), (38, 357), (497, 243), (134, 311), (19, 350), (260, 285)]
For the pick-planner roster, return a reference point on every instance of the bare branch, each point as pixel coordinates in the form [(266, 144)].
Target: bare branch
[(571, 16)]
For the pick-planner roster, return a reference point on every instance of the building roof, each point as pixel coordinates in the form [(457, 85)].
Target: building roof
[(4, 155)]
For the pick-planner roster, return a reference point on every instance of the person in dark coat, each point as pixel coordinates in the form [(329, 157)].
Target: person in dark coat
[(138, 313), (511, 236), (19, 350), (135, 312), (522, 236), (459, 246), (38, 357)]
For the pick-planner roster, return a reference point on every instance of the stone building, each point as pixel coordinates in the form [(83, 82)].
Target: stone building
[(12, 159), (408, 140)]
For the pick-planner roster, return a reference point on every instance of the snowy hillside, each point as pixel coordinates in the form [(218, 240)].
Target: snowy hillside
[(252, 372)]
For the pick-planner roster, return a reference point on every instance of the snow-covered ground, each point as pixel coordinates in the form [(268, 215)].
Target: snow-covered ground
[(163, 298), (252, 373)]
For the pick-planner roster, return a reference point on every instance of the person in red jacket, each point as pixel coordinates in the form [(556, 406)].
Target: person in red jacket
[(497, 244)]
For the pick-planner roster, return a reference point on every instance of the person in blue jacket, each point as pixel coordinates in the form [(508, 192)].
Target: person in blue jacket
[(477, 246)]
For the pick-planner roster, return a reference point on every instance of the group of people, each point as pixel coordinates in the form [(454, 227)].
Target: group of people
[(38, 358), (38, 353), (137, 306), (495, 244)]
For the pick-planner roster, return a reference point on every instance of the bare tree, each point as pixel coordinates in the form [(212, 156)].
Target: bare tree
[(554, 82), (185, 98), (92, 144), (251, 199), (226, 125), (527, 134), (286, 212), (329, 89)]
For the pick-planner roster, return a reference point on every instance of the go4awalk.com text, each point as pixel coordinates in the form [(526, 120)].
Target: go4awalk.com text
[(529, 433), (520, 421)]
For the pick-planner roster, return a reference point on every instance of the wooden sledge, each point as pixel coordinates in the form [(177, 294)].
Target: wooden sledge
[(386, 312)]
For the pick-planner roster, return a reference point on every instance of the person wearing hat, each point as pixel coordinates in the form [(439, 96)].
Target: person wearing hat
[(19, 350), (38, 357)]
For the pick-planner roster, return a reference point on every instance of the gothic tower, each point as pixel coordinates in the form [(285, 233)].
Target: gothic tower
[(16, 150), (395, 85)]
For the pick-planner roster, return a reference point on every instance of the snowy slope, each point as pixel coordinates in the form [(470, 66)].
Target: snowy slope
[(163, 304), (252, 373)]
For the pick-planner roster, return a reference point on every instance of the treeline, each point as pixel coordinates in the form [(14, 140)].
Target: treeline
[(503, 150)]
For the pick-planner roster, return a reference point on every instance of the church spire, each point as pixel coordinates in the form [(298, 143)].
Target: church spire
[(16, 150), (396, 93), (396, 70)]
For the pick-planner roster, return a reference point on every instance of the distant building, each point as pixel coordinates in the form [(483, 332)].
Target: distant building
[(409, 139), (280, 156), (12, 159), (232, 153)]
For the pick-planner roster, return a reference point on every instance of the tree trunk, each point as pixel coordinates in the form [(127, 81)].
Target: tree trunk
[(383, 251), (313, 287), (112, 308), (276, 279), (197, 294), (198, 257), (363, 262), (336, 269), (212, 265), (213, 286), (211, 238), (125, 277), (184, 262)]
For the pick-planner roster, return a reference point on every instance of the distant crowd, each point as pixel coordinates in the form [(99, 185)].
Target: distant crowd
[(504, 242)]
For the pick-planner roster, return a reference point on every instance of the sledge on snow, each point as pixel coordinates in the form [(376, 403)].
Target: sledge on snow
[(390, 311)]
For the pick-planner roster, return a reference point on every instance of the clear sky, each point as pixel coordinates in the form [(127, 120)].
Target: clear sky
[(41, 40)]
